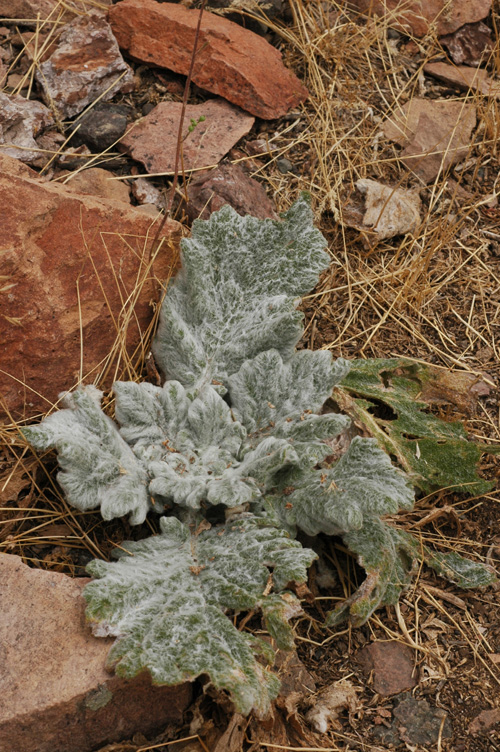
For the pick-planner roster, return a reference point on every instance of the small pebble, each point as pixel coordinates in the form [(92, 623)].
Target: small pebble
[(284, 165), (146, 108)]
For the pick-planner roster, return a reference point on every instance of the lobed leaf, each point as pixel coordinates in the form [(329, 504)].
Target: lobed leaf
[(268, 389), (362, 484), (98, 468), (165, 600), (236, 294)]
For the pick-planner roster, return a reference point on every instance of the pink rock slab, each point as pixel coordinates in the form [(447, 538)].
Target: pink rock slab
[(392, 666), (471, 44), (435, 134), (56, 693), (231, 61), (465, 78), (419, 16), (154, 140)]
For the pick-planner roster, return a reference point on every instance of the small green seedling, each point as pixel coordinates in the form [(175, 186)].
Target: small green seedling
[(194, 123)]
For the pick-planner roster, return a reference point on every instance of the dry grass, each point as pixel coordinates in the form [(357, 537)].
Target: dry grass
[(433, 296)]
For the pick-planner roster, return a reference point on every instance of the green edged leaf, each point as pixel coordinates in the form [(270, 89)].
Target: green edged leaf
[(389, 557), (236, 294), (436, 454), (165, 601)]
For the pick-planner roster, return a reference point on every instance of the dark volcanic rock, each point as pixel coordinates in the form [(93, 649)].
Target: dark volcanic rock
[(102, 126), (469, 45)]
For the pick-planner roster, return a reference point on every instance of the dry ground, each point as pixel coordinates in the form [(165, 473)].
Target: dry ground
[(433, 296)]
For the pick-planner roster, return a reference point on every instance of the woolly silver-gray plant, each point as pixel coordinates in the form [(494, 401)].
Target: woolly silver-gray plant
[(237, 435)]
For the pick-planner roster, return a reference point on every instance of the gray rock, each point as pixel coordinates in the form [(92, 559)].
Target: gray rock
[(85, 65), (284, 165), (21, 120), (419, 723)]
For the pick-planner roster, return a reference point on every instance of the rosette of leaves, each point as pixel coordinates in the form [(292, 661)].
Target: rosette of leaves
[(233, 451)]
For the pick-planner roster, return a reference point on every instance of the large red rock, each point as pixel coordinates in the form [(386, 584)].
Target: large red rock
[(219, 126), (76, 281), (56, 693), (231, 61), (419, 16)]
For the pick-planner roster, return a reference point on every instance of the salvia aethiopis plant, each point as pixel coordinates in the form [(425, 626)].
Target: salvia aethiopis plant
[(234, 452)]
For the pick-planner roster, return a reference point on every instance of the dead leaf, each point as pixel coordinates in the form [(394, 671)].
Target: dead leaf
[(386, 211), (13, 483), (55, 530), (330, 702), (296, 682), (11, 487), (280, 732), (232, 738), (384, 712), (434, 134), (459, 388)]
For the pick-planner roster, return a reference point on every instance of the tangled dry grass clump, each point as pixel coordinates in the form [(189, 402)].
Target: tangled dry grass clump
[(433, 296)]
